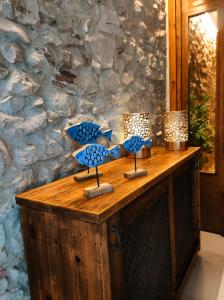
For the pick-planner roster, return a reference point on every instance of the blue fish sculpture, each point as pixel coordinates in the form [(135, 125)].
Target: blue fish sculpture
[(94, 155), (87, 133), (135, 143)]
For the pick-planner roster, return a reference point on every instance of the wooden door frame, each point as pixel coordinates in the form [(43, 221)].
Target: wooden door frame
[(221, 119), (179, 74), (177, 59), (175, 50)]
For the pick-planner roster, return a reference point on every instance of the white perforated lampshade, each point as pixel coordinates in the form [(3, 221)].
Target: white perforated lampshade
[(176, 129), (137, 124)]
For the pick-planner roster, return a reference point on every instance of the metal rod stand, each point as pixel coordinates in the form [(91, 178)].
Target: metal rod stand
[(135, 162), (97, 177)]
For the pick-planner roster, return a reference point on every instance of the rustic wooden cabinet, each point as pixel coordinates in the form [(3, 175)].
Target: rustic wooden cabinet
[(136, 243)]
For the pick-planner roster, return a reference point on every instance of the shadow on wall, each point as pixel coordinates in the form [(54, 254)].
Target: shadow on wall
[(62, 62)]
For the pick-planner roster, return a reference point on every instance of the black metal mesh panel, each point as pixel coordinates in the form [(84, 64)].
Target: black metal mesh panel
[(183, 205), (146, 254)]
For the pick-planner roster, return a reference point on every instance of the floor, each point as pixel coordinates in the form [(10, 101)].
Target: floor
[(206, 279)]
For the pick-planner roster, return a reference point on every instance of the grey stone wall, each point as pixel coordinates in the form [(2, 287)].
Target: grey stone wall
[(64, 61)]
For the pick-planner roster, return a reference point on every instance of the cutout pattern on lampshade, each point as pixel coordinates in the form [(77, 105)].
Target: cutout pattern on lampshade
[(136, 124), (176, 130)]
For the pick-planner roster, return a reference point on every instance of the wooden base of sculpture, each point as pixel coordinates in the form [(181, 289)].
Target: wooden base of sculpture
[(95, 191), (82, 176), (135, 174)]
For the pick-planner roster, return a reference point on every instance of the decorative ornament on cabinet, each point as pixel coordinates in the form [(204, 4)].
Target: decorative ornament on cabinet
[(176, 130), (87, 133), (140, 124), (92, 156), (134, 145)]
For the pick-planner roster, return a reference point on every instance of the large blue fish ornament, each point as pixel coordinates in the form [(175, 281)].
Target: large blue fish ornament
[(94, 155), (135, 144), (87, 133)]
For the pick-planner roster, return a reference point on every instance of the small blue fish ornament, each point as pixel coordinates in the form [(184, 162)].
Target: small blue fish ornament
[(135, 143), (87, 133), (94, 155)]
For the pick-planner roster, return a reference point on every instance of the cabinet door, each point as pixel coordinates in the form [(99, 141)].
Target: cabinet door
[(140, 235), (186, 221)]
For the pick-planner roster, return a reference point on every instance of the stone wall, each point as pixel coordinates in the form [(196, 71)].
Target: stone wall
[(64, 61)]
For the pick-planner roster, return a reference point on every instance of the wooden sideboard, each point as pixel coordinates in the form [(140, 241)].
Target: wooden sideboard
[(136, 243)]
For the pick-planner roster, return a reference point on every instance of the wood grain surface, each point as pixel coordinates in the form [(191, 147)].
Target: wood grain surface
[(66, 196), (67, 259)]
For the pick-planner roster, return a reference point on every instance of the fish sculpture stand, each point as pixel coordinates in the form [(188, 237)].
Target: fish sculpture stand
[(94, 155), (133, 145), (87, 133)]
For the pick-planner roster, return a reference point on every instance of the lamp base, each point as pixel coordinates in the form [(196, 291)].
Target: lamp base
[(145, 152), (176, 146)]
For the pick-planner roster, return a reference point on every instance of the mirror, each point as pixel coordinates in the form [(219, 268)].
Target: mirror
[(203, 86)]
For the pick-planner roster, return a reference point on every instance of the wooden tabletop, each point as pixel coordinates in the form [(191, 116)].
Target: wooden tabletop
[(66, 196)]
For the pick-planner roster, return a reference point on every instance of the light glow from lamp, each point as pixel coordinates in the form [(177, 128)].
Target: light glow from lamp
[(176, 130), (138, 124)]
